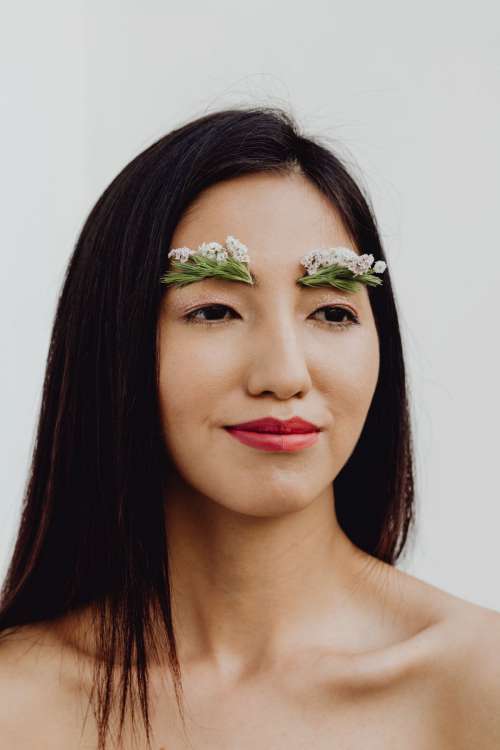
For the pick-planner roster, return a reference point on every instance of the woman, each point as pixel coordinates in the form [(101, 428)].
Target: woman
[(197, 586)]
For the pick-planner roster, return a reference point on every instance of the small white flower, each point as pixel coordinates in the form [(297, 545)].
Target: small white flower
[(221, 256), (180, 253), (362, 263), (343, 254), (240, 254), (310, 262), (312, 268), (380, 266), (209, 249), (353, 266), (237, 249), (206, 250)]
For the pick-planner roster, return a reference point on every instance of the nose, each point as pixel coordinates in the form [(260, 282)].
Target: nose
[(278, 362)]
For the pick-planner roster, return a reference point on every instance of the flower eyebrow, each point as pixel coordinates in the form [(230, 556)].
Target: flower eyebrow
[(339, 267)]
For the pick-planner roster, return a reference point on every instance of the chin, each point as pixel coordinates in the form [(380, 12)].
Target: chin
[(266, 503)]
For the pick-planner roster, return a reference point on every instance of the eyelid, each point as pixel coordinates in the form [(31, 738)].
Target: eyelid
[(334, 299)]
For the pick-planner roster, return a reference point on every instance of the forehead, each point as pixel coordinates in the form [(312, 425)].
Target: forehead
[(278, 217)]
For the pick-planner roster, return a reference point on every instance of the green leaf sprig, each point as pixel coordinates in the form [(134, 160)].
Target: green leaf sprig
[(210, 259), (199, 267), (340, 277), (339, 267)]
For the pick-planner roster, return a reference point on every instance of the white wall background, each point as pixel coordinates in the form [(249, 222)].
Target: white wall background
[(410, 91)]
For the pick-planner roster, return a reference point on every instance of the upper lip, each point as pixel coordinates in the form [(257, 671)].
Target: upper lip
[(279, 426)]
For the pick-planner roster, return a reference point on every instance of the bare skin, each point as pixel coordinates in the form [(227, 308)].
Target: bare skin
[(289, 636), (424, 684)]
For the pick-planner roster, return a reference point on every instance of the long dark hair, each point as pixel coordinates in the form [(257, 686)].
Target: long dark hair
[(92, 530)]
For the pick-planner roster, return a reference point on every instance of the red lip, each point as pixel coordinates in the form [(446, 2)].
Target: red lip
[(295, 425)]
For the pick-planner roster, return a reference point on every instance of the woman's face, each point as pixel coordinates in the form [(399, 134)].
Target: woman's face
[(266, 350)]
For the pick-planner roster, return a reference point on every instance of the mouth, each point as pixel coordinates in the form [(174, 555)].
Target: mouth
[(278, 440), (273, 426)]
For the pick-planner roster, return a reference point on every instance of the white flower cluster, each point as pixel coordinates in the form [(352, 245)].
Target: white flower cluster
[(214, 250), (237, 249), (180, 253), (341, 256)]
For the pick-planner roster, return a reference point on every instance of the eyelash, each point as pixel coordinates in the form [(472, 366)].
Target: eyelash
[(338, 325)]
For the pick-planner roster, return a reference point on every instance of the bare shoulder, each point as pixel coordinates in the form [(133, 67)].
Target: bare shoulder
[(457, 629), (24, 672), (21, 657), (38, 701), (474, 678), (462, 659), (21, 684)]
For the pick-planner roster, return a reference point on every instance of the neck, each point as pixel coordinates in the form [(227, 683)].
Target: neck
[(247, 589)]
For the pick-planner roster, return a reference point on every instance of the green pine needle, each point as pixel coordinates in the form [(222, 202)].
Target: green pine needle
[(200, 267), (340, 277)]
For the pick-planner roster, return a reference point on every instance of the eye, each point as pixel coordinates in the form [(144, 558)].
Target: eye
[(191, 316), (336, 315)]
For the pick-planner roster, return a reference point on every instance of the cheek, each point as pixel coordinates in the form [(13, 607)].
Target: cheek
[(191, 380), (359, 373), (349, 377)]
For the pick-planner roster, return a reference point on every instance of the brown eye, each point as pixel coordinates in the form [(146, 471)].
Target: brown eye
[(337, 317), (213, 314)]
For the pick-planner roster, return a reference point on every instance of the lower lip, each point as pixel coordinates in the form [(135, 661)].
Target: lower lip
[(268, 441)]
